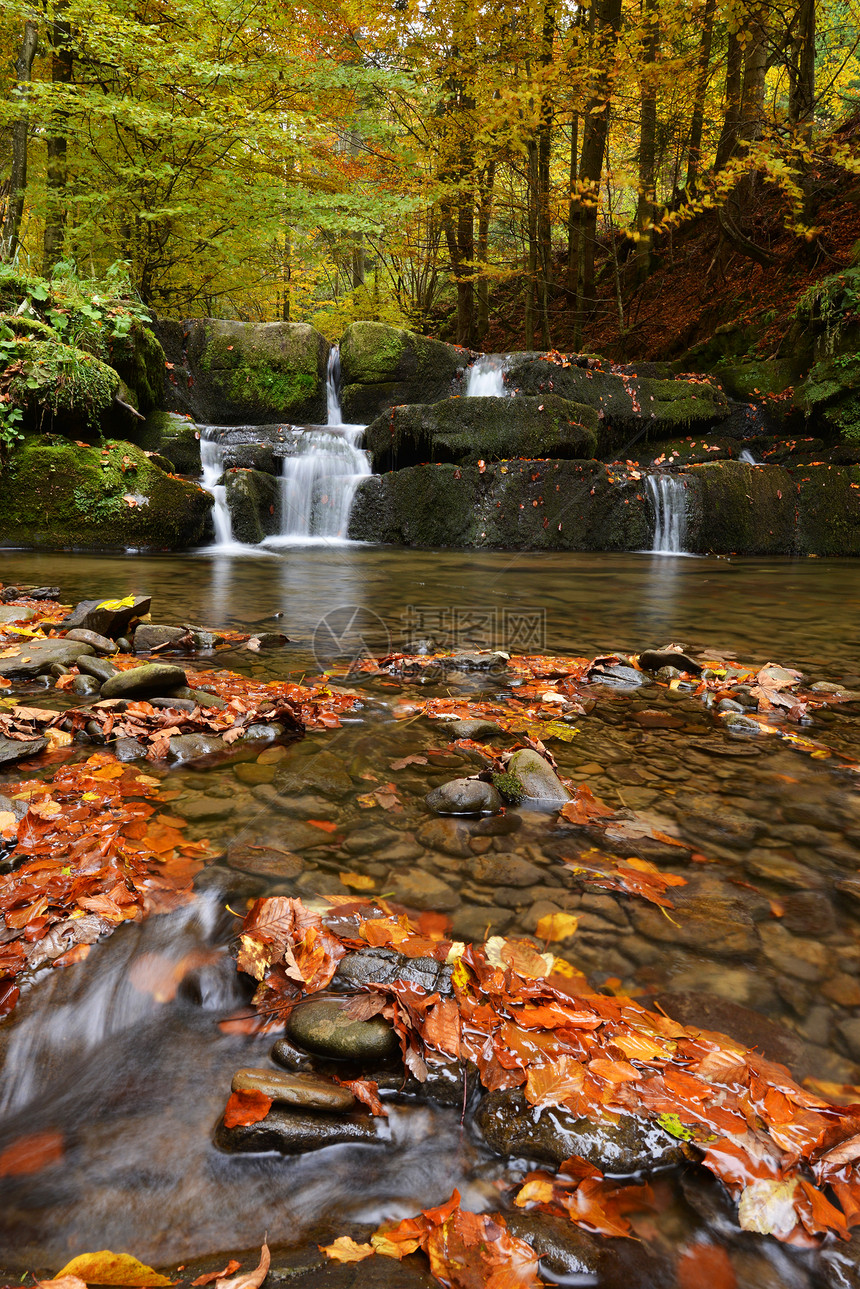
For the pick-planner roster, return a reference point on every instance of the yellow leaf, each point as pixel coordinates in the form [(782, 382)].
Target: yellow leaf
[(345, 1249), (536, 1191), (556, 926), (58, 738), (357, 881), (115, 605), (106, 1268), (393, 1248), (7, 820)]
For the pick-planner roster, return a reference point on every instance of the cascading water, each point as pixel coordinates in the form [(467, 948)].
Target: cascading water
[(669, 501), (747, 457), (212, 468), (486, 378), (319, 481)]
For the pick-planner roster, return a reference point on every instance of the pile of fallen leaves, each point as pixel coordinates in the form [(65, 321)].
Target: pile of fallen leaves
[(529, 1020), (92, 850)]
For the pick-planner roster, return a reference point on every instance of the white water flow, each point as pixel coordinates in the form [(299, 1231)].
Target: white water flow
[(748, 457), (319, 482), (669, 501), (212, 466), (486, 378)]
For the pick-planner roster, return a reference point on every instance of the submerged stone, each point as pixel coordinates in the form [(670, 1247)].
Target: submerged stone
[(324, 1028), (464, 797), (540, 782), (292, 1132), (189, 747), (12, 749)]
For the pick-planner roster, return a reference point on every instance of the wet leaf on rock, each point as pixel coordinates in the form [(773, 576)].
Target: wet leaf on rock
[(106, 1268)]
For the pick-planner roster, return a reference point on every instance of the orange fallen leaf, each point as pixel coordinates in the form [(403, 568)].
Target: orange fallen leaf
[(250, 1279), (358, 881), (345, 1249), (556, 926), (32, 1154), (106, 1268), (231, 1266), (245, 1108), (325, 824)]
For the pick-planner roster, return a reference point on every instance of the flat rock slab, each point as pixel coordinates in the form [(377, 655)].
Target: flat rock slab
[(294, 1132), (12, 749), (307, 1090), (150, 635), (101, 644), (16, 613), (324, 1028), (36, 656), (101, 668), (139, 682), (510, 1126)]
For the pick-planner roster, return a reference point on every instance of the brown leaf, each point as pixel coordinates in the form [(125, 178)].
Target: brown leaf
[(250, 1279), (245, 1108), (231, 1266)]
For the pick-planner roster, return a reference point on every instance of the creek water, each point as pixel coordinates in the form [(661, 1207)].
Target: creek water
[(134, 1081)]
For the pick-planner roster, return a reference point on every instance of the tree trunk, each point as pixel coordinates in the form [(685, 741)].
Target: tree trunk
[(732, 115), (544, 158), (802, 98), (647, 142), (755, 69), (573, 204), (608, 26), (482, 286), (20, 129), (531, 274), (59, 36), (694, 153)]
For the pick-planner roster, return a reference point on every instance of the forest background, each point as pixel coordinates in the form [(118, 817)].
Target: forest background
[(504, 174)]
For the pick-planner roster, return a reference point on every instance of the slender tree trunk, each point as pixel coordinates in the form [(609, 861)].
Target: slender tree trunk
[(59, 35), (751, 124), (482, 286), (608, 26), (694, 154), (531, 274), (544, 158), (802, 98), (647, 142), (573, 204), (732, 114), (18, 179)]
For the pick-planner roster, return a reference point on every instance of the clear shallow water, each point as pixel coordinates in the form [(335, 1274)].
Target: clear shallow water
[(134, 1086)]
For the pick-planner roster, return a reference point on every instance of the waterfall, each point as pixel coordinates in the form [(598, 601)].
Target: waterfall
[(319, 480), (212, 467), (669, 500), (748, 457), (486, 378)]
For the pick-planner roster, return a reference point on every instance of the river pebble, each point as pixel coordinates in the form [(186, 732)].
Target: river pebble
[(308, 1090), (323, 1027)]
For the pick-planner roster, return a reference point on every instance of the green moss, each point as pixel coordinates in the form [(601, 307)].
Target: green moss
[(56, 494), (177, 437), (828, 509), (22, 325), (139, 360), (372, 351), (247, 372), (383, 366), (58, 381), (737, 508), (510, 788), (252, 497)]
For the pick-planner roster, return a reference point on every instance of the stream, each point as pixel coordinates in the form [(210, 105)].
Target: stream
[(129, 1074)]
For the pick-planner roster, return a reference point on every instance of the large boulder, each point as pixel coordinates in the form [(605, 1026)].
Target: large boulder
[(654, 401), (60, 495), (59, 387), (245, 373), (733, 507), (466, 430), (252, 498), (509, 505), (138, 359), (383, 366), (176, 437), (828, 509)]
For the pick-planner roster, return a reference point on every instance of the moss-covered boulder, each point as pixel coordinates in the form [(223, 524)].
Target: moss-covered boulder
[(509, 505), (58, 495), (56, 386), (383, 366), (252, 373), (737, 508), (465, 430), (252, 498), (138, 359), (176, 437), (828, 509), (625, 402)]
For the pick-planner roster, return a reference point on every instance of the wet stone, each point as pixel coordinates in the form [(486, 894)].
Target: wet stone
[(476, 924), (620, 675), (710, 924), (128, 749), (283, 1053), (266, 861), (497, 868), (18, 749), (263, 732), (38, 656), (476, 730), (564, 1248), (370, 839), (655, 659), (99, 668), (207, 807), (542, 785), (322, 773), (422, 891), (201, 697), (512, 1127), (446, 835), (191, 747), (152, 635), (743, 1024), (108, 618), (250, 772), (324, 1028), (850, 1031), (85, 686), (307, 1090), (384, 966), (101, 644), (464, 797), (140, 682), (291, 1132)]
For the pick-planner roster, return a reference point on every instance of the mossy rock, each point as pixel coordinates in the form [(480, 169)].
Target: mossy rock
[(509, 505), (829, 398), (465, 430), (139, 360), (384, 366), (626, 403), (694, 451), (176, 437), (735, 508), (61, 388), (58, 495), (753, 379), (253, 373), (828, 509), (252, 498), (25, 325)]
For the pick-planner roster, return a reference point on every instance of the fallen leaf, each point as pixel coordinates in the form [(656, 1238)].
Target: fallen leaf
[(245, 1108), (556, 926), (251, 1279), (63, 1282), (32, 1154), (358, 881), (345, 1249), (231, 1266), (106, 1268)]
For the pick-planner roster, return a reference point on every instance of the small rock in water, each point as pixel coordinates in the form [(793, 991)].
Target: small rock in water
[(654, 659), (36, 657), (151, 635), (291, 1058), (201, 697), (266, 861), (740, 724), (190, 747), (500, 869), (291, 1132), (308, 1090), (510, 1126), (174, 704), (265, 733), (464, 797), (324, 1028), (466, 661), (540, 782), (472, 729), (128, 749), (108, 617), (13, 749), (419, 890), (100, 668), (84, 685), (272, 639), (16, 613), (140, 682), (384, 966), (101, 644), (651, 719), (617, 674)]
